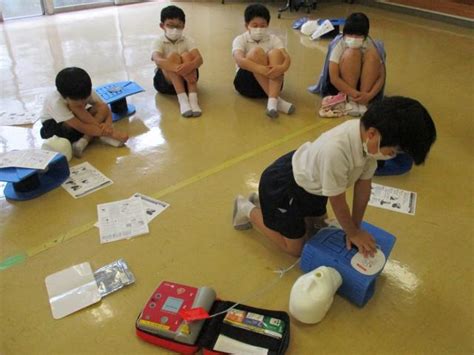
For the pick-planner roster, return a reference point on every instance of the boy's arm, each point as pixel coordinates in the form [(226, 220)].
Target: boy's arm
[(354, 235), (187, 67), (83, 115), (249, 65), (85, 128), (163, 62), (360, 200)]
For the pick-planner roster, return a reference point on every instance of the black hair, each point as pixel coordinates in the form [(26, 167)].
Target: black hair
[(256, 10), (404, 123), (172, 12), (357, 24), (74, 83)]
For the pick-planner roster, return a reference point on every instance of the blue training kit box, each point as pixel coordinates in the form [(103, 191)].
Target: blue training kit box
[(328, 248)]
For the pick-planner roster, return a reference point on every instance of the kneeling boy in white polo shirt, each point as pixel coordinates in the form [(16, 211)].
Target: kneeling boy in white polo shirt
[(294, 190)]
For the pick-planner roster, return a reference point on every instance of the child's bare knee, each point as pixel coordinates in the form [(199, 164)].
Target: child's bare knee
[(257, 55), (187, 57), (175, 58)]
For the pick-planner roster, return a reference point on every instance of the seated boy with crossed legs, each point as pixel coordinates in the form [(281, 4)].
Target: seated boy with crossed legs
[(75, 112)]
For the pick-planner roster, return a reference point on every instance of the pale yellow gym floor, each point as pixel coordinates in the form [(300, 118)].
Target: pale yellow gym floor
[(423, 303)]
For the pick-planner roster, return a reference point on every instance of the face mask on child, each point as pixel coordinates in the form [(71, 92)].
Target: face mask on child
[(173, 34), (378, 155), (257, 33), (353, 42)]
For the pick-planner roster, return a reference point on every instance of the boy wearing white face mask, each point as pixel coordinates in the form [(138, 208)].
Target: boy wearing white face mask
[(177, 60), (355, 65), (262, 61), (294, 190)]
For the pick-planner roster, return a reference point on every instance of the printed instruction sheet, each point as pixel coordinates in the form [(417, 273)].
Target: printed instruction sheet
[(152, 207), (121, 220), (85, 179), (29, 158), (17, 118), (393, 199)]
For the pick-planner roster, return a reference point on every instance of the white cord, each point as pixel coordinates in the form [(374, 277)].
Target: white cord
[(281, 273)]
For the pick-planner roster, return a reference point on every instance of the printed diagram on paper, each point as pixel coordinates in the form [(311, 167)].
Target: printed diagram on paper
[(85, 179), (121, 219), (393, 199)]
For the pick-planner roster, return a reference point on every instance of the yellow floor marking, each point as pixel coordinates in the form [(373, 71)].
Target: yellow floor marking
[(20, 257)]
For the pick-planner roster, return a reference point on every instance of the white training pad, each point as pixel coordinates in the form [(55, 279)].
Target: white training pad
[(72, 289), (369, 265)]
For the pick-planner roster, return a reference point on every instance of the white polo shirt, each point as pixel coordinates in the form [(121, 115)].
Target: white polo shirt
[(245, 43), (333, 162), (165, 47), (55, 107)]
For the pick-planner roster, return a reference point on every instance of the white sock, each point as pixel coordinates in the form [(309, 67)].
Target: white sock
[(184, 106), (111, 141), (241, 215), (193, 101), (272, 104), (79, 146), (285, 106)]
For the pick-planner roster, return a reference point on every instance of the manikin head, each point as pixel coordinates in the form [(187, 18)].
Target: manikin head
[(313, 293)]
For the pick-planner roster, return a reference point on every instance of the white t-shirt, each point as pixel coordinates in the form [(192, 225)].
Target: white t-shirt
[(165, 47), (333, 162), (341, 46), (55, 107), (245, 43)]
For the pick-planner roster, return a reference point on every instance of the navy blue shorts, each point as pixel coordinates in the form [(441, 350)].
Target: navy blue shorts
[(163, 86), (284, 204), (246, 85), (52, 128)]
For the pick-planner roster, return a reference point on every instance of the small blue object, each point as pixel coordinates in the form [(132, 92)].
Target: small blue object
[(115, 95), (399, 165), (25, 184), (299, 22), (328, 248)]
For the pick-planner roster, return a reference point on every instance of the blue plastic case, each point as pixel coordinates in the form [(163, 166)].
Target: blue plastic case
[(328, 248)]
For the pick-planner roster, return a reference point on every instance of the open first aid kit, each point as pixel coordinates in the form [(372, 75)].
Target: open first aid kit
[(187, 319)]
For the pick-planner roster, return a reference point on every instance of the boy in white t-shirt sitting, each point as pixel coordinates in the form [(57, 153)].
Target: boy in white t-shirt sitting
[(294, 190), (177, 60), (262, 61), (75, 112)]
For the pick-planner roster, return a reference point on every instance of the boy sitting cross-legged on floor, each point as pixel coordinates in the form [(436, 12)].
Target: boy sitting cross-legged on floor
[(75, 112)]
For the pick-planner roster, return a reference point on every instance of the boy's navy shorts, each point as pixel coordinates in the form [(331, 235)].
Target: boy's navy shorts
[(163, 86), (246, 85), (52, 128), (284, 204)]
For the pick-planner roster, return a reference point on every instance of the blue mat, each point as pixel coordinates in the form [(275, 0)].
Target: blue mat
[(115, 95), (25, 184), (399, 165)]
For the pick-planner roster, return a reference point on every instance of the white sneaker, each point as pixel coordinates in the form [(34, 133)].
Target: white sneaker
[(352, 109), (240, 218)]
